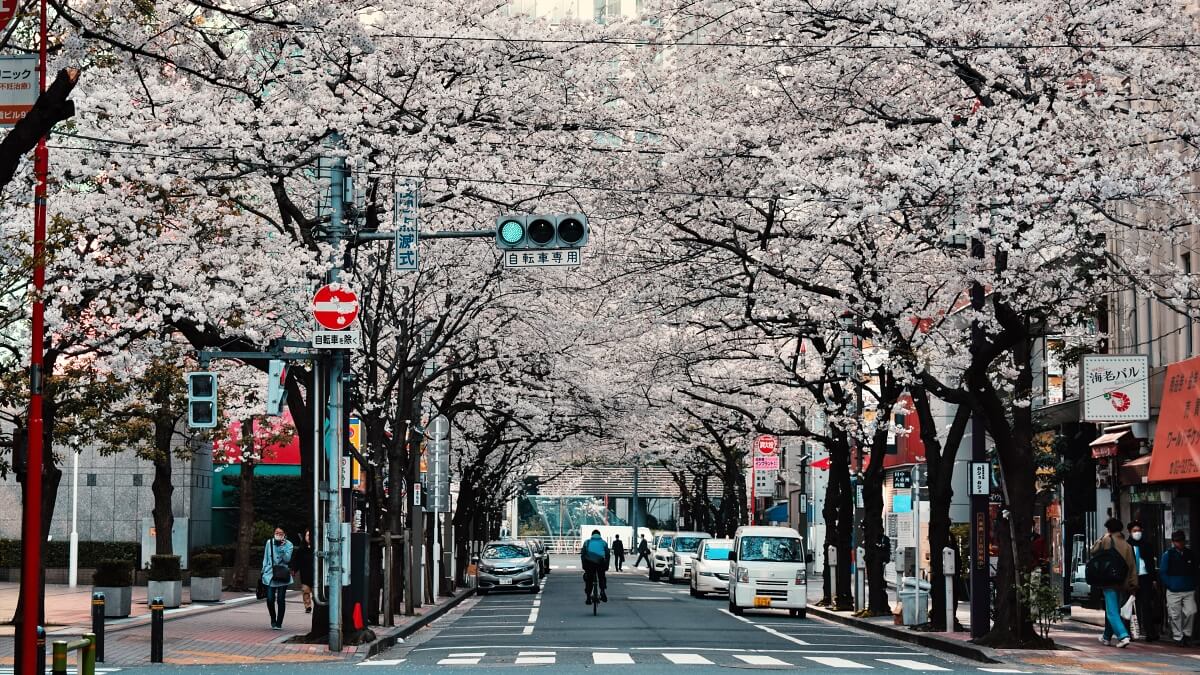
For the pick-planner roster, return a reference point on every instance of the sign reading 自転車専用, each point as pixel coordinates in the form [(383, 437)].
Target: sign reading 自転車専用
[(1176, 451), (1116, 387)]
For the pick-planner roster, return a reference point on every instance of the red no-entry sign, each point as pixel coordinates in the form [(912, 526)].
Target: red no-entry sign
[(7, 9), (335, 306)]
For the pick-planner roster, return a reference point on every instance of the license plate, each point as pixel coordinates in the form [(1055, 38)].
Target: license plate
[(762, 601), (508, 582)]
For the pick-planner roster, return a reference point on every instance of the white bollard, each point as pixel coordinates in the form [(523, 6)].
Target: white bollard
[(949, 571), (860, 578), (831, 557)]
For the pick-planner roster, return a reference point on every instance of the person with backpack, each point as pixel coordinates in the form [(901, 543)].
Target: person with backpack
[(1146, 599), (1179, 571), (594, 555), (618, 551), (1112, 570), (643, 549)]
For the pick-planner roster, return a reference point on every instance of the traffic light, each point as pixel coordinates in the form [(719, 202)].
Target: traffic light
[(202, 400), (276, 393), (523, 232)]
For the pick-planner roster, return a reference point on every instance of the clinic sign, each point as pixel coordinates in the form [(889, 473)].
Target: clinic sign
[(1116, 388), (18, 87)]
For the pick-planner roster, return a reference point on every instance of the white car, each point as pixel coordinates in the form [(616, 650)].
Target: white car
[(660, 557), (766, 571), (710, 567), (683, 549)]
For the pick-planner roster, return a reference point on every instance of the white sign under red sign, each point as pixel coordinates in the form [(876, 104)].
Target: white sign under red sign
[(766, 463), (335, 306)]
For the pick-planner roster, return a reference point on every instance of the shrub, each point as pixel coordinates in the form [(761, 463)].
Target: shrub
[(58, 553), (206, 565), (278, 500), (261, 532), (113, 573), (164, 568)]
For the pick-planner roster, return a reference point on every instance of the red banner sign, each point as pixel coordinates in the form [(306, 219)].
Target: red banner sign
[(1176, 453)]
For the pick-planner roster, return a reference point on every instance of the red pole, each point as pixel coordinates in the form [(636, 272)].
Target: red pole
[(31, 565)]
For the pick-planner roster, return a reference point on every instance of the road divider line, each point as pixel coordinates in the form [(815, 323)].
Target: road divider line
[(761, 627)]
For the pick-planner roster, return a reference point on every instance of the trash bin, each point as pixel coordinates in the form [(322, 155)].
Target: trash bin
[(914, 613)]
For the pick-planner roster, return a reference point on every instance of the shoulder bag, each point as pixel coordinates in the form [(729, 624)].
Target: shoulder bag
[(279, 572)]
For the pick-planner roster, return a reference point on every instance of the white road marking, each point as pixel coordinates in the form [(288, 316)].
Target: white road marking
[(535, 660), (1008, 670), (834, 662), (384, 662), (528, 630), (649, 597), (766, 629), (688, 659), (611, 659), (760, 660), (912, 665), (467, 655), (458, 662)]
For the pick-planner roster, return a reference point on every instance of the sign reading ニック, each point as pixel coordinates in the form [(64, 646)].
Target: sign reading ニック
[(1176, 453), (334, 308), (1116, 388), (18, 83)]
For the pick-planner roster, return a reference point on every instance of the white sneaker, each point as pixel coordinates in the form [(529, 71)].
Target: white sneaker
[(1123, 643), (1106, 643)]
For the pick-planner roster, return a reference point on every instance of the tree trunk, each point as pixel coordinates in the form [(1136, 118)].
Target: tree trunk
[(242, 562), (843, 531), (51, 477), (877, 595), (164, 519)]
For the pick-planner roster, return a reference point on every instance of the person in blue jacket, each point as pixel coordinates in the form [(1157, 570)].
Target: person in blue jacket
[(595, 556), (277, 574), (1177, 569)]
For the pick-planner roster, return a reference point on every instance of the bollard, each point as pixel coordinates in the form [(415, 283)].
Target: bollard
[(98, 624), (58, 662), (949, 571), (39, 659), (156, 630), (88, 662), (860, 587), (831, 559)]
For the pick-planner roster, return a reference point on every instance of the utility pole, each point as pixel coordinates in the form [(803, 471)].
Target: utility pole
[(980, 576)]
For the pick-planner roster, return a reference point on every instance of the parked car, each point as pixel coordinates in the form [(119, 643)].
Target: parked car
[(766, 570), (661, 556), (683, 549), (710, 568), (507, 565), (540, 554)]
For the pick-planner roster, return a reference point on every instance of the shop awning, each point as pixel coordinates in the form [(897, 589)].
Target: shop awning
[(1109, 444), (1176, 453), (777, 513), (1134, 471)]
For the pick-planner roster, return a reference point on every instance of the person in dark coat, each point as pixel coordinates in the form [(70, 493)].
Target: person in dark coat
[(302, 566), (618, 551), (643, 550), (1149, 617)]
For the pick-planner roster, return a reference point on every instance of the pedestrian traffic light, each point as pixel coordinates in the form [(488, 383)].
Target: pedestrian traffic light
[(546, 231), (276, 392), (202, 400)]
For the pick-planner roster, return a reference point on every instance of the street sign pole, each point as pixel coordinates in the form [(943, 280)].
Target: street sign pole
[(979, 538), (334, 433)]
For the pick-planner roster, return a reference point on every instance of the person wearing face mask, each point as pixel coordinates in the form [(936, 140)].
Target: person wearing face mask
[(1146, 598), (276, 574)]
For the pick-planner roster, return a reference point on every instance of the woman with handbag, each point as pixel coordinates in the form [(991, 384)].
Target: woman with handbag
[(1111, 568), (276, 574)]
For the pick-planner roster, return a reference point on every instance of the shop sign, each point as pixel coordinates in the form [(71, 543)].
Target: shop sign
[(1142, 495), (1106, 450), (1116, 388), (1176, 452)]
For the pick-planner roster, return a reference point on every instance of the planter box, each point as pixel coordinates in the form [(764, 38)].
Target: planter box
[(118, 600), (206, 589), (170, 591)]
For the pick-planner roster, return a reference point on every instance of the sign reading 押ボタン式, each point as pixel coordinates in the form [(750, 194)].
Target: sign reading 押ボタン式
[(1116, 387), (1176, 451), (18, 86)]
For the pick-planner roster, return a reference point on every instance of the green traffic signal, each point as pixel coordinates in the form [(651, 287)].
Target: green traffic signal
[(511, 232)]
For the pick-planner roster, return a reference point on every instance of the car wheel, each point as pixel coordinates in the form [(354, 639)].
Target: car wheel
[(799, 613), (671, 575), (734, 609), (653, 575), (695, 593), (484, 591)]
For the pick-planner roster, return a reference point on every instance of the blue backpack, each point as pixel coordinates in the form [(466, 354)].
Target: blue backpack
[(594, 550)]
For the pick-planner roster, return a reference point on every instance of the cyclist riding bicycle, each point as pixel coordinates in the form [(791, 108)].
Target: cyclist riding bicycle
[(595, 557)]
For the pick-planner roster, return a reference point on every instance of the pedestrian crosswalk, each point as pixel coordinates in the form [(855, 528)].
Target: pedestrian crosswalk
[(899, 660)]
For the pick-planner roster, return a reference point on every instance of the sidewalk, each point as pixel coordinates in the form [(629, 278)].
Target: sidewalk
[(235, 631), (1077, 638)]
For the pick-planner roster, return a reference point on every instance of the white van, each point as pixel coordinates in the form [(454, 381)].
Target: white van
[(767, 570)]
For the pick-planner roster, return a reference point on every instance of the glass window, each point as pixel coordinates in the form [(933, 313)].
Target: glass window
[(688, 544), (665, 541), (770, 549), (505, 552), (717, 552)]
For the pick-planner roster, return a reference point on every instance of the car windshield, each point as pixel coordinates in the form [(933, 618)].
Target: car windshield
[(688, 544), (665, 542), (770, 549), (505, 552), (717, 553)]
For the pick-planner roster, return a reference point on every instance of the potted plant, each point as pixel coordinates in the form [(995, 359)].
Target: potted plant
[(114, 578), (206, 577), (166, 580)]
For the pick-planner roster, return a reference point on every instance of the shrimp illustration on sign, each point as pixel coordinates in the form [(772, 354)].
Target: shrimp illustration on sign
[(1119, 400)]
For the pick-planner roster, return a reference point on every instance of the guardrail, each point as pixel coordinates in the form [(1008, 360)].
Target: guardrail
[(86, 646)]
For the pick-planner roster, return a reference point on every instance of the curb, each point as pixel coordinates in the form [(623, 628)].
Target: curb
[(400, 632), (143, 620), (963, 649)]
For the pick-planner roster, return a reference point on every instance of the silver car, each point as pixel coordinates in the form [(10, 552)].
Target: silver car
[(507, 566)]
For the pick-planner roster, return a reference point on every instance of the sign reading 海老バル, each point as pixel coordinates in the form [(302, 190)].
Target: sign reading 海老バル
[(1116, 387)]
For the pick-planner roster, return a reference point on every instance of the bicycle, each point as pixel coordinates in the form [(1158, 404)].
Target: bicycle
[(595, 579)]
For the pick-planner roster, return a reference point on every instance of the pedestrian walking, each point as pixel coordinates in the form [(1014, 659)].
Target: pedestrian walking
[(1179, 571), (618, 551), (643, 550), (302, 566), (1149, 618), (1112, 570), (276, 576)]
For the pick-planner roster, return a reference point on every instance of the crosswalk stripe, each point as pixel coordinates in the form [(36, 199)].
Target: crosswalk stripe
[(467, 655), (834, 662), (760, 660), (912, 665), (383, 662), (474, 661), (688, 660), (612, 659), (534, 660), (537, 653), (1003, 670)]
